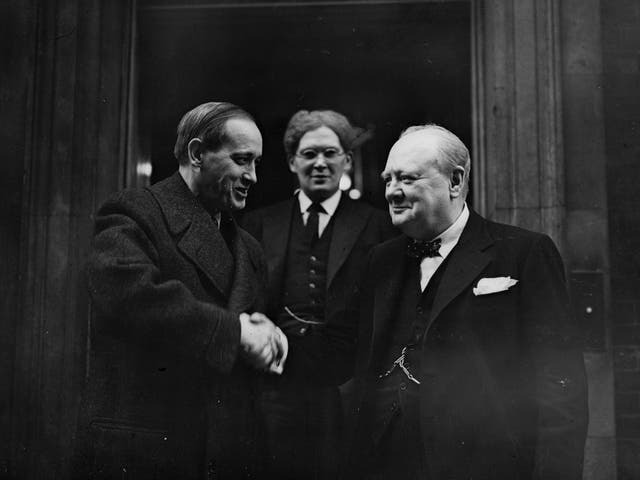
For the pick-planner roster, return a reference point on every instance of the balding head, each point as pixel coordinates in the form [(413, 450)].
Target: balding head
[(426, 180), (450, 153)]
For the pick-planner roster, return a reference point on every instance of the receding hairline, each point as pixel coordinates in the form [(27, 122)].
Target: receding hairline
[(206, 122), (416, 139)]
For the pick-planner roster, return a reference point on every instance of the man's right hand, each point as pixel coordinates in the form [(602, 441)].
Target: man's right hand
[(259, 339)]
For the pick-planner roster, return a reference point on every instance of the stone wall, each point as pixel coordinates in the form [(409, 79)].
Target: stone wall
[(621, 87)]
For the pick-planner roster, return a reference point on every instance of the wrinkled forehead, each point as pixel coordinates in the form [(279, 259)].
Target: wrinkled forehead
[(414, 153)]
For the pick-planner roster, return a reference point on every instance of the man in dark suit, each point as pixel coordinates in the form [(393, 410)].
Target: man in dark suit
[(316, 246), (178, 341), (470, 361)]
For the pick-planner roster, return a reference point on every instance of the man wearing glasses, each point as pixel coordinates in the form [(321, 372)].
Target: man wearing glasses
[(316, 246)]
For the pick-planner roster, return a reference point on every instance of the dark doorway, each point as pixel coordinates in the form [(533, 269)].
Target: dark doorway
[(386, 65)]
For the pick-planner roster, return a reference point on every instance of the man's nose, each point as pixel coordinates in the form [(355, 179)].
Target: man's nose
[(392, 191), (250, 173), (320, 161)]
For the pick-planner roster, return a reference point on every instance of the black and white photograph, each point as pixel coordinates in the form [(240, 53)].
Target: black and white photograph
[(320, 240)]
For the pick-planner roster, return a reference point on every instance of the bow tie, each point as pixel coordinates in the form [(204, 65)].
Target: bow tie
[(420, 249)]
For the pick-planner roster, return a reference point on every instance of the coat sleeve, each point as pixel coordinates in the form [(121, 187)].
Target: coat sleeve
[(141, 304), (556, 347)]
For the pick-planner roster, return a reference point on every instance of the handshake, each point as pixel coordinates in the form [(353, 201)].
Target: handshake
[(263, 344)]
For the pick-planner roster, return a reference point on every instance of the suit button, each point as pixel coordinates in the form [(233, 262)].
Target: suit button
[(312, 271), (303, 330), (312, 285), (420, 310), (403, 386), (313, 258)]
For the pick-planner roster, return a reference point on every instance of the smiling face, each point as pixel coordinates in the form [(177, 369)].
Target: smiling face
[(319, 163), (226, 174), (422, 202)]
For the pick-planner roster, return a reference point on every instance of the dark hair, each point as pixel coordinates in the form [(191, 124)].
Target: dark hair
[(205, 122), (305, 121)]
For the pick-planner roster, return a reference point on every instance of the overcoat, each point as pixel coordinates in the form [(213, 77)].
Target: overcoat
[(503, 388), (167, 394)]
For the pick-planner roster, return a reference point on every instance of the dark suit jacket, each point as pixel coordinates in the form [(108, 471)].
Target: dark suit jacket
[(503, 394), (357, 227), (167, 393)]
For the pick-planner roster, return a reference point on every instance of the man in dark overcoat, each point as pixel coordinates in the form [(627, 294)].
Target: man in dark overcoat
[(177, 338), (316, 244), (470, 360)]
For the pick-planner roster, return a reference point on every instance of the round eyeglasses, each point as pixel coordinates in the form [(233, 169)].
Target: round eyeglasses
[(327, 153)]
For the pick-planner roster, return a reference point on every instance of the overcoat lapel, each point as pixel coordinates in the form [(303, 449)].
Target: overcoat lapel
[(206, 247), (347, 225), (201, 242), (465, 262)]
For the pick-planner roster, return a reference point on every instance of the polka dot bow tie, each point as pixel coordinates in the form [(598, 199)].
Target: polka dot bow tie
[(421, 249)]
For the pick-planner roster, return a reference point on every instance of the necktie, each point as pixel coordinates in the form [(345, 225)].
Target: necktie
[(227, 231), (311, 229), (420, 249)]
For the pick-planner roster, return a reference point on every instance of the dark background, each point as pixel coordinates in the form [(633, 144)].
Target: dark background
[(384, 66), (66, 98)]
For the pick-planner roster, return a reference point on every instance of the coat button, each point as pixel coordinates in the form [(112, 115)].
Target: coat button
[(313, 258), (403, 386), (312, 285), (420, 310), (303, 330)]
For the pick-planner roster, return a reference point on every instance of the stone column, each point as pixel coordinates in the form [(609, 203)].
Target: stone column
[(540, 162), (75, 137), (586, 219), (519, 167)]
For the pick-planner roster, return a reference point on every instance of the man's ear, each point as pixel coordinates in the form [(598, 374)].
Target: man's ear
[(290, 161), (195, 149), (456, 181), (348, 161)]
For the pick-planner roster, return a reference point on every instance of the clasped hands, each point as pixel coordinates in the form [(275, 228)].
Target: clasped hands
[(263, 344)]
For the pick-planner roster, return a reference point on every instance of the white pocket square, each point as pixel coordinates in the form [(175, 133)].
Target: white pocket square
[(493, 285)]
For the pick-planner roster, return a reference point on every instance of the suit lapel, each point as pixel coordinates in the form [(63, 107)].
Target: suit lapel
[(202, 242), (387, 290), (245, 287), (347, 225), (465, 262), (276, 228)]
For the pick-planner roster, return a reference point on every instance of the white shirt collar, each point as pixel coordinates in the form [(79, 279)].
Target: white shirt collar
[(330, 204), (452, 234), (449, 238)]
